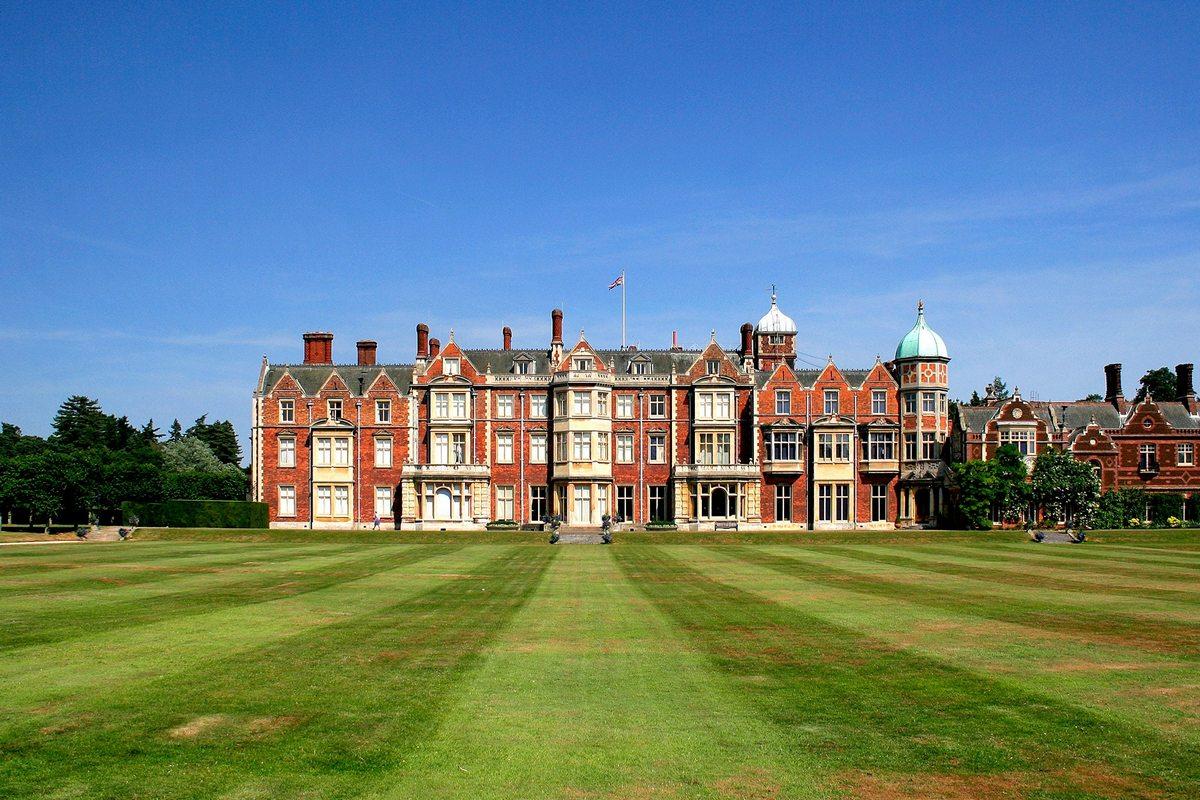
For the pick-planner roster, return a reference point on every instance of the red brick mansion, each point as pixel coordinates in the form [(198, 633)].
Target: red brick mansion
[(704, 438)]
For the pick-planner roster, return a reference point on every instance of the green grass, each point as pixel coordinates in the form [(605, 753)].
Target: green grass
[(254, 664)]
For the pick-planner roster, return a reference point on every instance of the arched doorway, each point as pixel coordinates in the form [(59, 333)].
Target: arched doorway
[(719, 502), (442, 503)]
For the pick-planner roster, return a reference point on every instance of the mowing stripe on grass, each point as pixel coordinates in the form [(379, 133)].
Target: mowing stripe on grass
[(182, 595), (314, 714), (589, 692), (1140, 687), (1136, 622), (1092, 557), (35, 675), (863, 705)]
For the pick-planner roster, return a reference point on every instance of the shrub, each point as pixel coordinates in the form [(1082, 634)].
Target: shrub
[(198, 514), (661, 525), (503, 525)]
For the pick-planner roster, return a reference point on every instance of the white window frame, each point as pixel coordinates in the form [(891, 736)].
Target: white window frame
[(624, 407), (383, 501), (878, 402), (661, 400), (330, 405), (537, 405), (505, 406), (624, 448), (287, 411), (324, 451), (451, 366), (383, 452), (504, 448), (537, 447), (1185, 454), (506, 498), (287, 500), (287, 451), (383, 412), (783, 502), (833, 402), (656, 448), (341, 451), (783, 402), (879, 502), (581, 446)]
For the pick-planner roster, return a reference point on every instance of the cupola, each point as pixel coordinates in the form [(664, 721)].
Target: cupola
[(921, 341), (775, 321)]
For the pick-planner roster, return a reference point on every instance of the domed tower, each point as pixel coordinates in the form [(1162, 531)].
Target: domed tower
[(921, 368), (775, 338)]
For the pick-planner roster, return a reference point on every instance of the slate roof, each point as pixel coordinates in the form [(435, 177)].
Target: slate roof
[(312, 377), (1077, 415)]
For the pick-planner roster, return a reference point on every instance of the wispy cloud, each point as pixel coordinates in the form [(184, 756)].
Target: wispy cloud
[(77, 237)]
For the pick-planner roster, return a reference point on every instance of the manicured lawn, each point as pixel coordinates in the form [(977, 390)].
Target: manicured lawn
[(302, 664)]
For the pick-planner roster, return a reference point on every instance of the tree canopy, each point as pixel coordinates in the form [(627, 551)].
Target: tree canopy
[(1159, 383)]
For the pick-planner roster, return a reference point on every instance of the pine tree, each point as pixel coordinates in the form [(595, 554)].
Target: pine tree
[(1000, 388), (80, 423), (176, 431)]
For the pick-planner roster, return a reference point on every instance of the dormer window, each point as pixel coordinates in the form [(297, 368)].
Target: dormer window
[(583, 364), (714, 366), (335, 409), (451, 366), (522, 365), (640, 367)]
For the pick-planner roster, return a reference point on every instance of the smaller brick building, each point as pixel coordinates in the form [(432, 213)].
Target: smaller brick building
[(1149, 444)]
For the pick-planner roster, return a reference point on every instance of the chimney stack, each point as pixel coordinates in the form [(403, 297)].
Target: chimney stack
[(318, 348), (1112, 380), (435, 347), (366, 353), (422, 340), (1185, 390), (556, 319), (507, 332), (747, 338), (675, 341)]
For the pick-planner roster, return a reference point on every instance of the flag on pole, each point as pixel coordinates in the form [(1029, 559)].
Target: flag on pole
[(620, 280)]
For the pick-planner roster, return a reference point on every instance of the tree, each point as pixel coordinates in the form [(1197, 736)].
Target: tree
[(176, 432), (1159, 383), (1013, 481), (149, 433), (987, 487), (80, 423), (220, 437), (189, 454), (1065, 488), (975, 400), (1000, 389), (1092, 398)]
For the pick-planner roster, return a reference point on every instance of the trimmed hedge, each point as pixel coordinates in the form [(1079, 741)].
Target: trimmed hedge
[(197, 514)]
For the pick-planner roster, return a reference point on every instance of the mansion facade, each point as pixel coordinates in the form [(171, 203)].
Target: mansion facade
[(704, 438)]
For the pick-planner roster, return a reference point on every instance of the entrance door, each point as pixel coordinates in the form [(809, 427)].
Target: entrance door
[(719, 498), (441, 504)]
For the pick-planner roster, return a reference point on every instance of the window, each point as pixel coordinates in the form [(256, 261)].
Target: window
[(657, 448), (450, 405), (383, 501), (824, 502), (879, 502), (504, 406), (441, 448), (335, 409), (783, 401), (602, 447), (833, 447), (929, 446), (624, 406), (714, 405), (458, 447), (560, 448), (537, 405), (625, 502), (383, 451), (910, 447), (624, 448), (287, 451), (504, 502), (878, 401), (449, 448), (641, 368), (441, 405), (537, 448), (287, 501), (824, 447), (504, 450), (658, 406), (1185, 454), (714, 448), (324, 451), (1023, 440), (451, 366), (1148, 457), (523, 367), (583, 403), (447, 502), (713, 367), (341, 501), (287, 410), (560, 404), (537, 503), (942, 401), (841, 508), (583, 364), (341, 452), (910, 402), (928, 403), (658, 503), (783, 503), (602, 404), (842, 446), (601, 499), (459, 405), (881, 446), (831, 402), (704, 406), (785, 446), (383, 412), (582, 512), (581, 446), (324, 501)]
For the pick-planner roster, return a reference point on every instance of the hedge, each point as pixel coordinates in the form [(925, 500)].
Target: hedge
[(197, 514)]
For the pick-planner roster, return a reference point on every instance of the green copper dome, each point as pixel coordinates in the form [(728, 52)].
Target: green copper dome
[(921, 341)]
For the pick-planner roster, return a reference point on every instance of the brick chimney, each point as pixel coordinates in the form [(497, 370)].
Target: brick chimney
[(1185, 390), (422, 340), (506, 333), (366, 353), (318, 348), (747, 346), (556, 340), (435, 347), (1112, 381)]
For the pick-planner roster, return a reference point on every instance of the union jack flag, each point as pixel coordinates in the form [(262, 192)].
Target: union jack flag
[(620, 279)]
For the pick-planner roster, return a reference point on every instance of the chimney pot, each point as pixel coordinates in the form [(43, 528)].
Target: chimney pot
[(747, 338), (507, 332), (422, 340), (318, 348), (435, 347), (366, 353)]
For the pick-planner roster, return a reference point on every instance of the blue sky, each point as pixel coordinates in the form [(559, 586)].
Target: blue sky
[(186, 188)]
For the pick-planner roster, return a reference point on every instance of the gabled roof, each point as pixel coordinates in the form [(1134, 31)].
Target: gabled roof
[(311, 377), (501, 361)]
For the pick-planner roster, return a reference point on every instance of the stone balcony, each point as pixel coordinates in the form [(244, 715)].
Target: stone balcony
[(717, 472), (461, 472)]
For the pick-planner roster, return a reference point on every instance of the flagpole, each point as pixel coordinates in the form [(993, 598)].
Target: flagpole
[(623, 284)]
